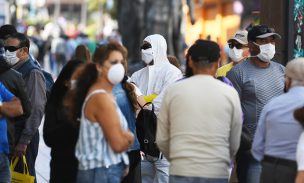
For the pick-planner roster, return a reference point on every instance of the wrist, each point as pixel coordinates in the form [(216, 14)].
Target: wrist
[(1, 105)]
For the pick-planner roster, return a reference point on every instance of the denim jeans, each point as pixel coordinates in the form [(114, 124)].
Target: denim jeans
[(5, 172), (248, 168), (113, 174), (155, 171), (182, 179)]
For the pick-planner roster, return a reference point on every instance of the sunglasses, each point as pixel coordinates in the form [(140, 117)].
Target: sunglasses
[(238, 46), (146, 46), (11, 48)]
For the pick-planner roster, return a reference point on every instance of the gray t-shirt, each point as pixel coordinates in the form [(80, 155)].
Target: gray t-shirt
[(256, 86)]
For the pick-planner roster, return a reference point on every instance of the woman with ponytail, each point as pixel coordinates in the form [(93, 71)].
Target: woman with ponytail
[(103, 136), (58, 133), (127, 97)]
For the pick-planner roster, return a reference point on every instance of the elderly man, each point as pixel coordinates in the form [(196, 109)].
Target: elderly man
[(257, 80), (197, 139), (278, 132)]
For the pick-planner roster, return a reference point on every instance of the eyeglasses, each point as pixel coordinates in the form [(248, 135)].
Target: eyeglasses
[(238, 46), (11, 48)]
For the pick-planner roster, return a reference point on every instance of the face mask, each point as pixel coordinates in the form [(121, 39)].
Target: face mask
[(267, 52), (235, 54), (116, 73), (11, 57), (147, 55), (73, 84)]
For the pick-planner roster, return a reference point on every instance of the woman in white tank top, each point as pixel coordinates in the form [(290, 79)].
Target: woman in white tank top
[(104, 136)]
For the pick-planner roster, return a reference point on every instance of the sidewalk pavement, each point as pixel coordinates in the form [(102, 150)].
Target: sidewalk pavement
[(43, 159)]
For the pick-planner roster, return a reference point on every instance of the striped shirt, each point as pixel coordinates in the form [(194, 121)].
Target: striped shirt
[(92, 148), (256, 86)]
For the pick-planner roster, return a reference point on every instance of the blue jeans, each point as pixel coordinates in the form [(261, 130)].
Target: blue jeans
[(155, 171), (5, 172), (182, 179), (113, 174), (248, 168)]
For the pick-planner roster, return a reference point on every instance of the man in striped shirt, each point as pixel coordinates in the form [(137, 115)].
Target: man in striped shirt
[(257, 80)]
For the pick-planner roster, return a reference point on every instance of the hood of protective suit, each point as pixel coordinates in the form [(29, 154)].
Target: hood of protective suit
[(154, 79), (159, 48)]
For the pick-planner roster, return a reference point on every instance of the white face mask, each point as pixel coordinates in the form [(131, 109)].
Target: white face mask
[(116, 73), (235, 54), (267, 52), (11, 57), (147, 55)]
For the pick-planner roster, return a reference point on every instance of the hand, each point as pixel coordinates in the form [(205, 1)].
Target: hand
[(129, 136), (20, 150), (126, 172)]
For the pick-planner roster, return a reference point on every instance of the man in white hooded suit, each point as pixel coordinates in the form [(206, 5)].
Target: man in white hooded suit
[(152, 80)]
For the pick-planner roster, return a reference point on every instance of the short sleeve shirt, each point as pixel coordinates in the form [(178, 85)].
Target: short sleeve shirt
[(256, 86), (5, 96)]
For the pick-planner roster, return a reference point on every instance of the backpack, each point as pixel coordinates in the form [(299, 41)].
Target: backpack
[(31, 64), (146, 131)]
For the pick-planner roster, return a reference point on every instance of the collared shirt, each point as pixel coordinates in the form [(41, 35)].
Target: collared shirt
[(36, 89), (127, 110), (278, 132)]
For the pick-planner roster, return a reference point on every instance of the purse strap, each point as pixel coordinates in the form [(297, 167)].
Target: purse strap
[(25, 166), (148, 103)]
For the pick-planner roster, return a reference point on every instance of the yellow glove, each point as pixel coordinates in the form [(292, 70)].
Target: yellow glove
[(150, 98)]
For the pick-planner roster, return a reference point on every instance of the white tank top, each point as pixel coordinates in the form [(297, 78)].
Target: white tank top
[(92, 149)]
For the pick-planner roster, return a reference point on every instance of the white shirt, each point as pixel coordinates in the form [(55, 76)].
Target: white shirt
[(300, 153)]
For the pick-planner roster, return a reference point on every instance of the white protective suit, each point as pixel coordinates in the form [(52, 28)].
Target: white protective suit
[(156, 78)]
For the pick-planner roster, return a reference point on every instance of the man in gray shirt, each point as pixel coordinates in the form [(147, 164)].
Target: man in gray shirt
[(17, 54), (257, 80)]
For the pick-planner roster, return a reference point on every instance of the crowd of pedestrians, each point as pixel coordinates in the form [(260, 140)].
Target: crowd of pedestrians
[(242, 122)]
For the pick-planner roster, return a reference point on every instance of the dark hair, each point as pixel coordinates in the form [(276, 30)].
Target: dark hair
[(299, 115), (4, 66), (82, 53), (87, 77), (128, 87), (23, 39), (60, 87), (75, 97), (103, 51), (202, 53), (174, 61), (6, 30)]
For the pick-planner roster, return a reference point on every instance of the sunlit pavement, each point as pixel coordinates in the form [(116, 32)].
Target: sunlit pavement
[(43, 160)]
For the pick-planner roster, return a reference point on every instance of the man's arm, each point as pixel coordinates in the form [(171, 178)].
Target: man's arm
[(236, 126), (234, 76), (162, 133), (258, 145), (169, 79), (11, 108), (37, 94)]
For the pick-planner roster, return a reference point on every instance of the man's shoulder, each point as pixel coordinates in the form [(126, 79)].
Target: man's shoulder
[(277, 65), (222, 71)]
